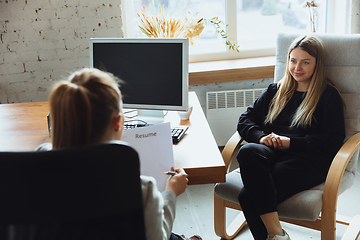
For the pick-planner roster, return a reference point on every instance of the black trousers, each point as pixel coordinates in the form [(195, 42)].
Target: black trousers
[(270, 176)]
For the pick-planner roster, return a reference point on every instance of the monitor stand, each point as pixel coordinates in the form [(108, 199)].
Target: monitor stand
[(151, 116)]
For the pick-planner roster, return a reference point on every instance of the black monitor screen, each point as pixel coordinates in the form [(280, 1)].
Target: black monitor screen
[(152, 72)]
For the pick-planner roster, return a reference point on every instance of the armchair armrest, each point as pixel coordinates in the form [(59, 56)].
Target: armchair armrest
[(333, 179), (231, 148)]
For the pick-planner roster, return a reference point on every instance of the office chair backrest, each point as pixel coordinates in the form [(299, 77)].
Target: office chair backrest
[(90, 192), (342, 61)]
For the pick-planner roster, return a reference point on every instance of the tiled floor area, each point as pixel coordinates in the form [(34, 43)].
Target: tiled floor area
[(195, 213)]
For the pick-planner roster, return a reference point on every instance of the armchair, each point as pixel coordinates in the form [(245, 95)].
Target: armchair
[(314, 208), (90, 192)]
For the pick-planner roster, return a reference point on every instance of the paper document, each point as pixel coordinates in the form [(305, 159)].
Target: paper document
[(154, 146)]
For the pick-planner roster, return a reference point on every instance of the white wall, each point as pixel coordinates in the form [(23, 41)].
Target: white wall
[(41, 41)]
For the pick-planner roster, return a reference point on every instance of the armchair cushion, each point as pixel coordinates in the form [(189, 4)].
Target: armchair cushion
[(305, 205), (296, 207)]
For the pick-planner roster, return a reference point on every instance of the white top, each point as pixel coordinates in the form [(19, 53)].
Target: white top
[(159, 209)]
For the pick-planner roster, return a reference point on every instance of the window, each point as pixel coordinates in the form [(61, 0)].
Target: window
[(252, 24)]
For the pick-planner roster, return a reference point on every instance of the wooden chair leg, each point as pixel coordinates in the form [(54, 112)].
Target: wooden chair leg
[(353, 231), (220, 220)]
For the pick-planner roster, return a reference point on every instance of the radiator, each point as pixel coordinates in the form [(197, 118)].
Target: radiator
[(223, 109)]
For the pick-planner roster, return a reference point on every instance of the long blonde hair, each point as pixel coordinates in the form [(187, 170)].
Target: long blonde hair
[(287, 85), (81, 108)]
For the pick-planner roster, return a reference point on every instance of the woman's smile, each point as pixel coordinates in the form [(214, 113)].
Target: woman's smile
[(298, 74)]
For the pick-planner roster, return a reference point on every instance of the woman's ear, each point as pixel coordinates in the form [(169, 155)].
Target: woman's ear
[(118, 122)]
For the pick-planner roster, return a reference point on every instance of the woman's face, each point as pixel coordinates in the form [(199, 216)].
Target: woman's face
[(301, 66)]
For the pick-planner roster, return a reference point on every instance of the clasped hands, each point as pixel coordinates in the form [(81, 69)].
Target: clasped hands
[(275, 141)]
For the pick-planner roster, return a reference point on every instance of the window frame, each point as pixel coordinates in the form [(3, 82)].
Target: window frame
[(337, 21), (338, 16)]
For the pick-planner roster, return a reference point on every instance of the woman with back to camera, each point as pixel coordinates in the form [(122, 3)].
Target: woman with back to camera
[(87, 109), (294, 130)]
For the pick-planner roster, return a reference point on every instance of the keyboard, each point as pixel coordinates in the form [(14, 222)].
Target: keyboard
[(177, 133), (134, 125)]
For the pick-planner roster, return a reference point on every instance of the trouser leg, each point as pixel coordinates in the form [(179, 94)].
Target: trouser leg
[(256, 225), (292, 175), (254, 162)]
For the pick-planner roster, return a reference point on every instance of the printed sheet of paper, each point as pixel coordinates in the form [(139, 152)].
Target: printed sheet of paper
[(154, 146)]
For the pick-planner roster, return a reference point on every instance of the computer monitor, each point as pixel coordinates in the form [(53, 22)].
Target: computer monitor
[(154, 71)]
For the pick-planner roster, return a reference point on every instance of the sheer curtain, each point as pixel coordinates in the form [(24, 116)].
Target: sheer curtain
[(127, 13)]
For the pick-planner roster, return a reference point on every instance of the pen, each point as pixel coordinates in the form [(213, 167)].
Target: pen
[(172, 173)]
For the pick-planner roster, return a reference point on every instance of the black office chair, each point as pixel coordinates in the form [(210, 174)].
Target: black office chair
[(91, 192)]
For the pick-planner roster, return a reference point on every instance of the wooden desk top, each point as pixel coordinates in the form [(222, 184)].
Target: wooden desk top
[(23, 127)]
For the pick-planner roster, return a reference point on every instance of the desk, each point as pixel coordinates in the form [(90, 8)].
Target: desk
[(23, 127)]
